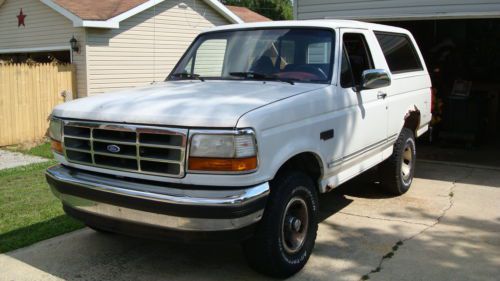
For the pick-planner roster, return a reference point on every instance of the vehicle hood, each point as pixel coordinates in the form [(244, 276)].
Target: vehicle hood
[(182, 103)]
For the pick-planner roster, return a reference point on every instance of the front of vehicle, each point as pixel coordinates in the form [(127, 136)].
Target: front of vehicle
[(170, 158)]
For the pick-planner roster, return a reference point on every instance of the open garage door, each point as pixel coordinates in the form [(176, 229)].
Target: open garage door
[(463, 58)]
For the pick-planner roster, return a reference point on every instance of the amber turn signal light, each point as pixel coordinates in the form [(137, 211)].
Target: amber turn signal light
[(56, 146), (222, 164)]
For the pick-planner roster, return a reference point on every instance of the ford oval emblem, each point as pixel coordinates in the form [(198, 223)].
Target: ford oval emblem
[(113, 148)]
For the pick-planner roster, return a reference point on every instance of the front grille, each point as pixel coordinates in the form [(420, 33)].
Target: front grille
[(131, 148)]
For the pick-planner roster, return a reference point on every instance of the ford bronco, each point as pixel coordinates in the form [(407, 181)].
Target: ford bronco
[(252, 124)]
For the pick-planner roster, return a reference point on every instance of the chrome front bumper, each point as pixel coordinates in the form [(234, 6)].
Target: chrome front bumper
[(173, 207)]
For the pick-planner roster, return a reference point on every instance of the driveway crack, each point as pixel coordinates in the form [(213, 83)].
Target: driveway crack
[(384, 219), (401, 242)]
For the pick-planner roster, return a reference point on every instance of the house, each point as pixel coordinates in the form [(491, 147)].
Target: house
[(117, 43), (459, 41)]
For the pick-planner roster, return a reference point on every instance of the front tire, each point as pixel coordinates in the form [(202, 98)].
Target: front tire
[(285, 237), (398, 170)]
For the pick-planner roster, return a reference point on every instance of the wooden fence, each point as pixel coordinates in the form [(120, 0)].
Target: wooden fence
[(28, 93)]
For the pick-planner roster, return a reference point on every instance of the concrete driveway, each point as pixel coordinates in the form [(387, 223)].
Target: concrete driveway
[(446, 228)]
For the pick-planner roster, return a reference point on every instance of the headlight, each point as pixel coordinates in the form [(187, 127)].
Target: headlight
[(55, 134), (232, 152), (223, 146), (55, 129)]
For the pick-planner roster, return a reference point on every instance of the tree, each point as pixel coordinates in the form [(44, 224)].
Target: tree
[(273, 9)]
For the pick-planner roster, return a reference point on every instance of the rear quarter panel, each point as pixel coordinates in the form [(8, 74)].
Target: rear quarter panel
[(409, 91)]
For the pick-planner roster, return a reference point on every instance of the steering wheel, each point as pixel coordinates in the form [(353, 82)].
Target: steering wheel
[(313, 70)]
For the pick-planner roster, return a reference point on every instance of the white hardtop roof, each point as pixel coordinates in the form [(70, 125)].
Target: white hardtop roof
[(333, 24)]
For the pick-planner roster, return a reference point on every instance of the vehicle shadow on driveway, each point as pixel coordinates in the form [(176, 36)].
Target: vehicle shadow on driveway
[(88, 255), (358, 227)]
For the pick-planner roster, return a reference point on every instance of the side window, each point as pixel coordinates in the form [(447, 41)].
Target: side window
[(399, 52), (358, 54), (346, 79), (210, 58)]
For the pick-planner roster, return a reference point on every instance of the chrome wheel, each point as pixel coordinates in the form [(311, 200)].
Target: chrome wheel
[(407, 163), (294, 225)]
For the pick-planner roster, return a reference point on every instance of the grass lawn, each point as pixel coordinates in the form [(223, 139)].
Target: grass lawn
[(28, 211), (41, 150)]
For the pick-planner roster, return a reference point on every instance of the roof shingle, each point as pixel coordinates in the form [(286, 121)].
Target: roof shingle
[(98, 9), (102, 10), (247, 15)]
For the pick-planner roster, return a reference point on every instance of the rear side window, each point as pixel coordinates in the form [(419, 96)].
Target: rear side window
[(399, 52)]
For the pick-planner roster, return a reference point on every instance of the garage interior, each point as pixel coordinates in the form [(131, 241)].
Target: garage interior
[(463, 59)]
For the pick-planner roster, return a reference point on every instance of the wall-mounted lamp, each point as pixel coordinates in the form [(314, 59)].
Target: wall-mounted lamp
[(74, 44)]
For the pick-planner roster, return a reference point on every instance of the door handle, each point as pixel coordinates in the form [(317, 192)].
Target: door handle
[(381, 95)]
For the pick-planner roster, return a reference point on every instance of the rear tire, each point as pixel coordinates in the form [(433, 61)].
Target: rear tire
[(285, 236), (397, 171)]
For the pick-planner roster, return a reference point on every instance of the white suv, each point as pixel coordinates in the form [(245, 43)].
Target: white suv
[(252, 124)]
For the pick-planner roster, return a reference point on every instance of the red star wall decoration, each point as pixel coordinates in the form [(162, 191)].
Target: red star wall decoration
[(20, 19)]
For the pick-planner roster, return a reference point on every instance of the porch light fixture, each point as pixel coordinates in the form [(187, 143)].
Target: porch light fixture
[(74, 44)]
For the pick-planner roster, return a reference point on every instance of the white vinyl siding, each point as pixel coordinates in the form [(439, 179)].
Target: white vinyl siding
[(210, 58), (395, 9), (146, 47), (44, 29)]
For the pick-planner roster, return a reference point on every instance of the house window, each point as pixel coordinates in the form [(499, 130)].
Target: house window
[(319, 53)]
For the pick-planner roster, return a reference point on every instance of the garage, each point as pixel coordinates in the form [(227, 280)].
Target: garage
[(463, 58), (459, 42)]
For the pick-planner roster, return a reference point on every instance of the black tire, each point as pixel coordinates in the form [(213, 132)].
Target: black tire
[(397, 171), (269, 251)]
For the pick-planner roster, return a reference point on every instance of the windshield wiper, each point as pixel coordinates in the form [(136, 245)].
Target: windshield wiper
[(256, 75), (188, 76)]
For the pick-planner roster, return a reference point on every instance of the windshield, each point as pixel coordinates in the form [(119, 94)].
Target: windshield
[(284, 54)]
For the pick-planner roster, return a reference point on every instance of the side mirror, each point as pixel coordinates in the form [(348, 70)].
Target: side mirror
[(375, 78)]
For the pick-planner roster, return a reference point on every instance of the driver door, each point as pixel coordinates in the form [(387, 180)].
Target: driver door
[(367, 109)]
